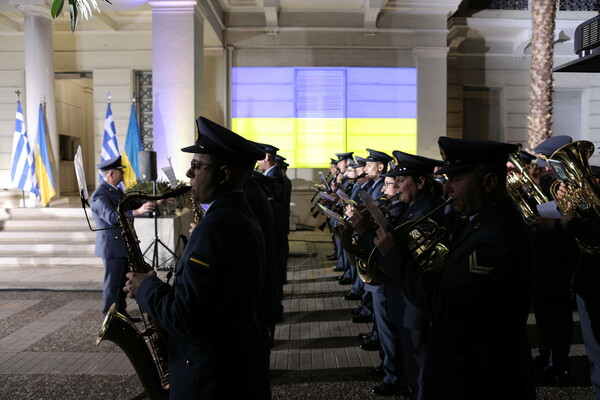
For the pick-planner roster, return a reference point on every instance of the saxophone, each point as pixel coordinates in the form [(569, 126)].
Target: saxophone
[(147, 351)]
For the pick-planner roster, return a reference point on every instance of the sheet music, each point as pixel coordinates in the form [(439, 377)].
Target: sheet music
[(80, 173), (170, 173), (549, 210)]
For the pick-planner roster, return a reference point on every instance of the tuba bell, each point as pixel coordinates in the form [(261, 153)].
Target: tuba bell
[(523, 189), (570, 166)]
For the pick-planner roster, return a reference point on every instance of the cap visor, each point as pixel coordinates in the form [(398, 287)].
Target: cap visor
[(450, 169)]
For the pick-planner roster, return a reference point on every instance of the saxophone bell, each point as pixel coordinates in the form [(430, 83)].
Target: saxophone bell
[(147, 351)]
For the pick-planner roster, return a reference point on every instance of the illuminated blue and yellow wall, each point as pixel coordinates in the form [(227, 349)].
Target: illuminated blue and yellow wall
[(310, 113)]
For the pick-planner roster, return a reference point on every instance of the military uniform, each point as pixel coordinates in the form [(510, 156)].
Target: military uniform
[(109, 238), (216, 349), (553, 267), (412, 325), (479, 302)]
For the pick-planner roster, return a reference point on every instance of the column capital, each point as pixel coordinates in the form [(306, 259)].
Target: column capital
[(173, 6), (37, 8)]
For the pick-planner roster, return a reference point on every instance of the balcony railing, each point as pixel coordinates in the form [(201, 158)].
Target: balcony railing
[(563, 5)]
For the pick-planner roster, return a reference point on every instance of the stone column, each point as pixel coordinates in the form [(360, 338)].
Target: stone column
[(177, 79), (431, 98), (39, 74)]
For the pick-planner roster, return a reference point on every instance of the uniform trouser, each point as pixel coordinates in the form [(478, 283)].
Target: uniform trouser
[(554, 319), (340, 252), (367, 303), (347, 266), (358, 286), (592, 347), (114, 281), (414, 351), (391, 355)]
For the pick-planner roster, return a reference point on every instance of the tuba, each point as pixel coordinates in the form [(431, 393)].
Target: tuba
[(523, 189), (570, 166), (147, 351), (422, 237)]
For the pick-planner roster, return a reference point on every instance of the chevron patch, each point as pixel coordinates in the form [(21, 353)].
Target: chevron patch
[(478, 269)]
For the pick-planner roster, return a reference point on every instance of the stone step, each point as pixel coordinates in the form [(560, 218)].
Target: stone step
[(38, 236), (37, 213), (50, 224), (48, 248), (36, 260)]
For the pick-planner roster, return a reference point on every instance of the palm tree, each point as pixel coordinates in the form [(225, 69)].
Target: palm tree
[(539, 120)]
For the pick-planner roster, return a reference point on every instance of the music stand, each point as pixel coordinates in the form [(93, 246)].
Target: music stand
[(147, 172), (156, 240)]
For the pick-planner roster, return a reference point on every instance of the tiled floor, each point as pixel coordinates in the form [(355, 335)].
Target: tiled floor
[(47, 335)]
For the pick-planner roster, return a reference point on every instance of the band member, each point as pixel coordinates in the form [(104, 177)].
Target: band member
[(478, 301), (376, 165), (421, 193), (586, 281), (553, 267), (343, 160), (216, 348), (109, 239), (270, 168)]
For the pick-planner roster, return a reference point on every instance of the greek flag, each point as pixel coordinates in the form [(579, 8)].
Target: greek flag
[(110, 148), (22, 169)]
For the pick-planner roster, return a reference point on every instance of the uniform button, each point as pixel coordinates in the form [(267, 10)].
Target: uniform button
[(188, 363)]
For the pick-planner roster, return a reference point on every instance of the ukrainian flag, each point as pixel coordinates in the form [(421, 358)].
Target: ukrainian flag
[(311, 113), (133, 144), (43, 163)]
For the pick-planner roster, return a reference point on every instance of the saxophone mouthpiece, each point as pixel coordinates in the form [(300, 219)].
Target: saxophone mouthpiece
[(178, 191)]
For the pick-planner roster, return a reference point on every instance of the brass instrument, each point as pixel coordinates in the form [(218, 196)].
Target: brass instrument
[(422, 238), (196, 209), (523, 189), (147, 351), (357, 256), (570, 166)]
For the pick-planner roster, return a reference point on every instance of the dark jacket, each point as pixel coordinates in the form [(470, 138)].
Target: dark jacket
[(109, 242), (478, 306), (216, 350)]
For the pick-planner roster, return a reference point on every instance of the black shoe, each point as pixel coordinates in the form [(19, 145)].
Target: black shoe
[(364, 336), (132, 319), (355, 311), (352, 296), (553, 374), (361, 318), (339, 278), (369, 345), (384, 389), (337, 268), (345, 281), (332, 257), (376, 372)]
